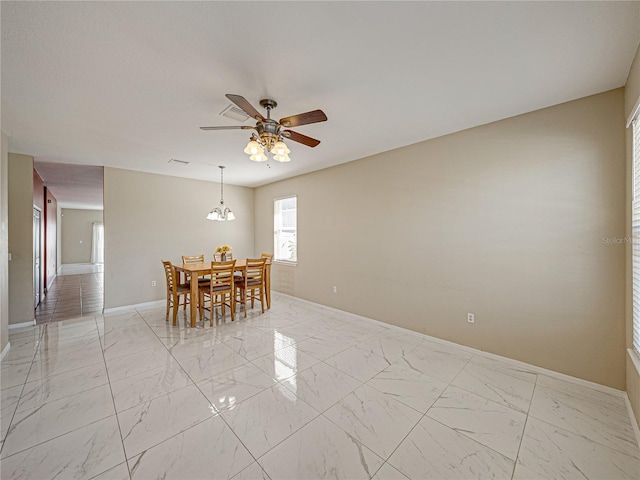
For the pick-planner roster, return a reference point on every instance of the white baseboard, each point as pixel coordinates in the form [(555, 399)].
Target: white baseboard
[(155, 303), (13, 326), (475, 351), (5, 350), (632, 416)]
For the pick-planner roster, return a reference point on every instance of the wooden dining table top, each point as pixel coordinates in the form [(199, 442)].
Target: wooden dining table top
[(203, 267)]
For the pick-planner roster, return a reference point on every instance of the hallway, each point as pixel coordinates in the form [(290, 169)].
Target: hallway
[(73, 294)]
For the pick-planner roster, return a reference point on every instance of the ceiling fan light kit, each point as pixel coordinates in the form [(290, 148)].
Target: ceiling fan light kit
[(269, 134)]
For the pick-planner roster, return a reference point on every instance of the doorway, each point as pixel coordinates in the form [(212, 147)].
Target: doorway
[(37, 226)]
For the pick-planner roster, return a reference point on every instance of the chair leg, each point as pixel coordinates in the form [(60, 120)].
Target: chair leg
[(262, 299), (166, 317), (176, 306), (211, 313)]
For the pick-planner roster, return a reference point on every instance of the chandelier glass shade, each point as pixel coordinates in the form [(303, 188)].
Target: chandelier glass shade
[(221, 213)]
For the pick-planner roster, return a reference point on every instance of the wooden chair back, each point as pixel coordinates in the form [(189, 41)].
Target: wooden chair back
[(222, 276), (193, 258), (217, 257), (254, 271), (170, 276), (268, 256)]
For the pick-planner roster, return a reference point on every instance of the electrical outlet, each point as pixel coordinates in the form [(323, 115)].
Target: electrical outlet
[(153, 283), (471, 318), (335, 289)]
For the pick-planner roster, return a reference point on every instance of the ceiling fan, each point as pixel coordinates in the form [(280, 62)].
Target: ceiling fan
[(269, 133)]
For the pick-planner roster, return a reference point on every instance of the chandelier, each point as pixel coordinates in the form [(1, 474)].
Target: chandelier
[(221, 213)]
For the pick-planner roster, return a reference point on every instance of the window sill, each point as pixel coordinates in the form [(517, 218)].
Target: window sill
[(284, 262), (634, 359)]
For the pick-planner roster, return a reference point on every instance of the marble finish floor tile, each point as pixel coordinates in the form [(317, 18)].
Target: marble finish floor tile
[(125, 340), (252, 472), (489, 423), (285, 363), (433, 450), (8, 403), (213, 452), (321, 348), (82, 453), (265, 419), (389, 348), (217, 360), (119, 472), (181, 348), (229, 388), (302, 390), (497, 385), (139, 362), (321, 386), (14, 374), (551, 452), (256, 345), (360, 364), (387, 472), (48, 389), (320, 450), (515, 369), (48, 366), (587, 412), (134, 390), (377, 421), (157, 420), (415, 389), (33, 426), (436, 360)]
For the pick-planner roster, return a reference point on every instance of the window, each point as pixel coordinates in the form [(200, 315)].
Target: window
[(635, 232), (285, 219)]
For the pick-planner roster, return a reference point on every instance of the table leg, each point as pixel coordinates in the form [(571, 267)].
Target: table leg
[(194, 299), (268, 285)]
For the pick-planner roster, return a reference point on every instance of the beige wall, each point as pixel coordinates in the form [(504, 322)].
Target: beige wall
[(20, 189), (4, 242), (77, 234), (151, 217), (505, 220), (631, 96)]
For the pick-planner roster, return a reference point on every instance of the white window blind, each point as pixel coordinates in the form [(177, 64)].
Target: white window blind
[(635, 232), (285, 229)]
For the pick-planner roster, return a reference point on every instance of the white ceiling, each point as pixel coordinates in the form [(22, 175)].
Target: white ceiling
[(73, 186), (127, 84)]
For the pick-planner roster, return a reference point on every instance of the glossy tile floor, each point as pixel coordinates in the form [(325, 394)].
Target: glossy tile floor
[(77, 292), (300, 392)]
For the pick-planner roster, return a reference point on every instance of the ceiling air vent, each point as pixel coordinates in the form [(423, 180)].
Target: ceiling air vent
[(179, 162), (234, 113)]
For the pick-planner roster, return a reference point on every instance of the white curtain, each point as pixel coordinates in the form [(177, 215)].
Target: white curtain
[(97, 244)]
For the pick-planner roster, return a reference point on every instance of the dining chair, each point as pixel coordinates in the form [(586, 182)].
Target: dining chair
[(217, 257), (251, 286), (267, 277), (194, 259), (221, 284), (175, 290)]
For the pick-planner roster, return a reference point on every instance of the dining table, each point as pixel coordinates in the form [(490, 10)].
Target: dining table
[(196, 270)]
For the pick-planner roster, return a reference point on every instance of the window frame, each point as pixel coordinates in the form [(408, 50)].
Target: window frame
[(276, 250), (634, 123)]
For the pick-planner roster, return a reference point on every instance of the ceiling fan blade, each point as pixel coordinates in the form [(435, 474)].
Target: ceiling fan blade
[(314, 116), (245, 105), (230, 127), (298, 137)]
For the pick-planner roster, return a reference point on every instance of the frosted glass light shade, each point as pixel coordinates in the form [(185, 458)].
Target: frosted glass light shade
[(252, 148)]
